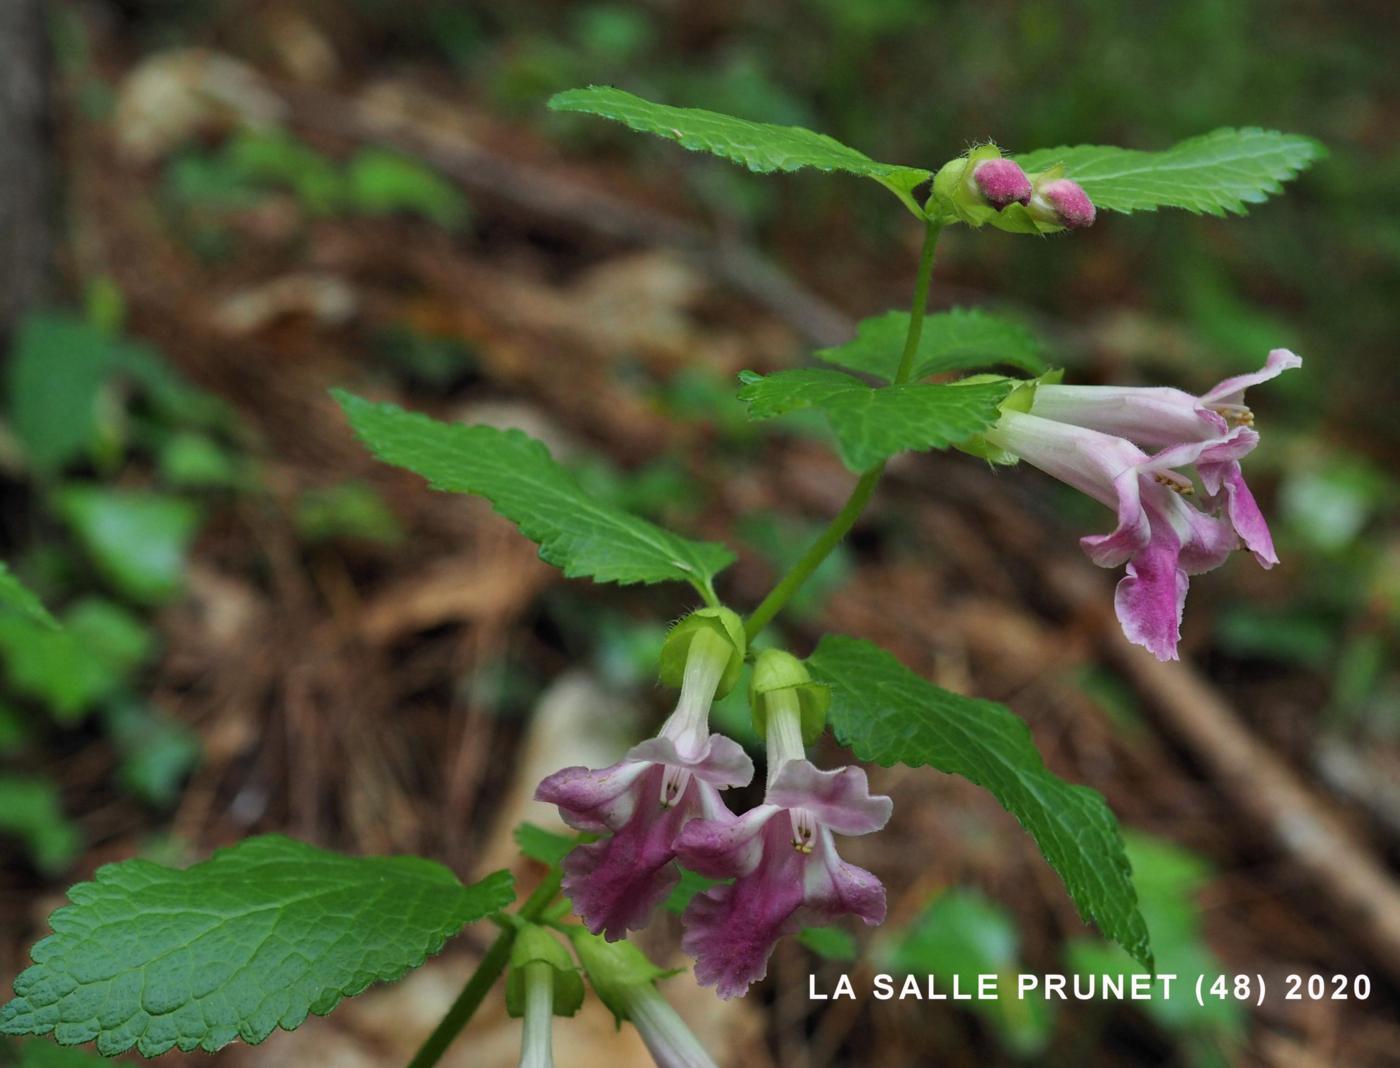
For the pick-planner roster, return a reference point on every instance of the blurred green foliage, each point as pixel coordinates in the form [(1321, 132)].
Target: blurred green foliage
[(203, 184), (959, 936), (122, 458)]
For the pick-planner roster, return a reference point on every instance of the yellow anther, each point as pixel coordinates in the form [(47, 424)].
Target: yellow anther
[(1185, 489)]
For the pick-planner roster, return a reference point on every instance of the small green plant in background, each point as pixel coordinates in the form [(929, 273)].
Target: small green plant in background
[(270, 930), (123, 458)]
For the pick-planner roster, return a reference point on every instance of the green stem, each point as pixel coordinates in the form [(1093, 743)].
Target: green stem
[(815, 554), (488, 970), (860, 496), (916, 312)]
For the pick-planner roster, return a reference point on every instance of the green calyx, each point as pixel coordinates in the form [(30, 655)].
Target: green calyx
[(614, 968), (955, 197), (778, 672), (536, 946), (720, 622), (1020, 399)]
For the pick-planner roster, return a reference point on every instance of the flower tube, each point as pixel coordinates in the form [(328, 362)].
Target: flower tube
[(640, 804), (781, 855), (1161, 537)]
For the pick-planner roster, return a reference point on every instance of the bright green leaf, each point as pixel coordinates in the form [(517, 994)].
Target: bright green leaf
[(873, 424), (30, 809), (957, 340), (275, 157), (759, 146), (575, 532), (192, 460), (254, 938), (111, 634), (17, 597), (137, 539), (56, 372), (382, 183), (72, 669), (1215, 173), (889, 715)]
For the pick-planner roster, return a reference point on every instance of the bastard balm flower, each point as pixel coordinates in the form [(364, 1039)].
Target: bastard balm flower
[(781, 855), (640, 804), (1092, 438), (1161, 417)]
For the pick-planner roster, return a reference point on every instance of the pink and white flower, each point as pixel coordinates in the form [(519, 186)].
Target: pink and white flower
[(782, 857), (1163, 417), (641, 803)]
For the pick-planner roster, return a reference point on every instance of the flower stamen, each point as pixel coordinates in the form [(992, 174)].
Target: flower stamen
[(804, 831), (1234, 414), (1174, 482)]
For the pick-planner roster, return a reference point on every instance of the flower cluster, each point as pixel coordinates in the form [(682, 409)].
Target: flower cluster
[(661, 804), (1170, 525), (986, 187), (1167, 463)]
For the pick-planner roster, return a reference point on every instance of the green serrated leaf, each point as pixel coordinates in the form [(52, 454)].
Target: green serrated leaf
[(889, 715), (873, 424), (254, 938), (957, 340), (575, 532), (760, 146), (1215, 173), (17, 597)]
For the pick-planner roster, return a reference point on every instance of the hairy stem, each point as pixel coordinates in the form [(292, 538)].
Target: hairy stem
[(488, 970), (860, 496)]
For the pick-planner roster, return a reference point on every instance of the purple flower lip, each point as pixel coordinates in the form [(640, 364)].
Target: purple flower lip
[(1001, 182), (641, 803), (1093, 438), (1160, 537), (787, 873)]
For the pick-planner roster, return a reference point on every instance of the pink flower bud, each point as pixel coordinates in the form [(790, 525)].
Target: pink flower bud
[(1064, 203), (1002, 182)]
